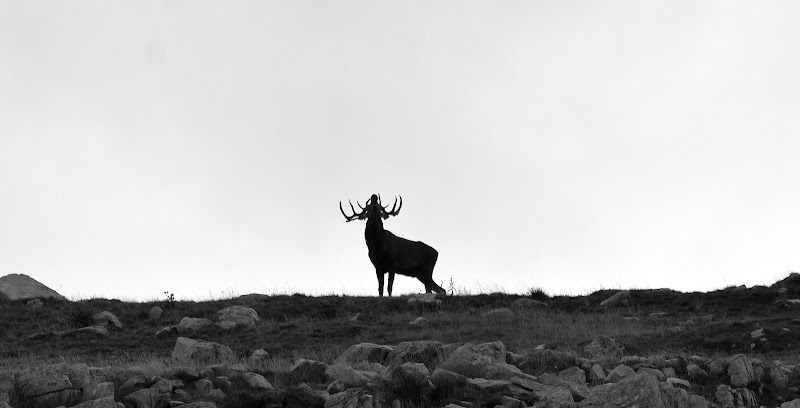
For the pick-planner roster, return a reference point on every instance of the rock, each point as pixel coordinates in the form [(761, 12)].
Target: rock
[(203, 386), (619, 373), (447, 379), (679, 383), (167, 331), (256, 381), (481, 361), (364, 353), (107, 319), (425, 299), (419, 321), (636, 390), (596, 373), (544, 395), (501, 313), (346, 375), (237, 316), (509, 402), (23, 287), (795, 403), (724, 396), (107, 402), (621, 298), (528, 304), (674, 397), (657, 374), (98, 391), (423, 351), (349, 399), (696, 373), (308, 371), (189, 325), (259, 355), (215, 395), (484, 389), (669, 372), (35, 303), (137, 383), (604, 347), (199, 404), (409, 374), (147, 398), (187, 350), (155, 313), (740, 369), (696, 401), (718, 367), (579, 391), (573, 374), (779, 377), (54, 385)]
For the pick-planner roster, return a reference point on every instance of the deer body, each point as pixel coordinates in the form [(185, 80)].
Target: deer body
[(392, 254)]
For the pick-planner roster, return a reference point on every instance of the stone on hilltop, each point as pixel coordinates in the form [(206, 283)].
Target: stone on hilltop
[(637, 390), (740, 368), (237, 316), (423, 351), (189, 325), (187, 349), (621, 298), (23, 287), (107, 319), (487, 360), (425, 299), (364, 353), (528, 304)]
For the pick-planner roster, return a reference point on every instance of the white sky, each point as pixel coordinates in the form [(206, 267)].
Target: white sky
[(202, 148)]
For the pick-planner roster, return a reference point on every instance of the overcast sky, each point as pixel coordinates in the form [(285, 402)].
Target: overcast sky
[(202, 148)]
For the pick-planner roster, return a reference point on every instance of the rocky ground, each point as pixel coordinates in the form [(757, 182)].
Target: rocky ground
[(735, 347)]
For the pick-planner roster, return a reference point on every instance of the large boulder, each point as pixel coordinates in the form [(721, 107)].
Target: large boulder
[(105, 402), (621, 298), (349, 399), (237, 316), (638, 390), (54, 385), (528, 304), (187, 350), (486, 360), (23, 287), (364, 353), (740, 368), (308, 371), (190, 325), (423, 351), (107, 319)]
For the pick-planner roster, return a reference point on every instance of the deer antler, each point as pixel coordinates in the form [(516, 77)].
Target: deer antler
[(386, 214), (355, 216)]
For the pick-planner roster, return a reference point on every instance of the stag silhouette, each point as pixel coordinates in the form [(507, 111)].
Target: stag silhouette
[(390, 253)]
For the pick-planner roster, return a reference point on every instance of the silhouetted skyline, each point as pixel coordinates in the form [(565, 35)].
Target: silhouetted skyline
[(202, 148)]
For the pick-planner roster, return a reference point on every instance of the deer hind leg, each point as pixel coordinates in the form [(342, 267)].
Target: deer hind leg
[(427, 278), (380, 283), (391, 282)]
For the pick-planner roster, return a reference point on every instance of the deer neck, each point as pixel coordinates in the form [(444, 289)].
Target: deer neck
[(374, 232)]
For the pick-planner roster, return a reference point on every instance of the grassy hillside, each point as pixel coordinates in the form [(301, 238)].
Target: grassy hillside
[(322, 327)]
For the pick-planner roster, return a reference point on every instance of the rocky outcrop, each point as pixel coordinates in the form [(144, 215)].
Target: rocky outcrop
[(237, 316), (187, 350), (23, 287)]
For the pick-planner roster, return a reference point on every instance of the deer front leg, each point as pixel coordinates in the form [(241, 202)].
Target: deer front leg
[(391, 281), (380, 283)]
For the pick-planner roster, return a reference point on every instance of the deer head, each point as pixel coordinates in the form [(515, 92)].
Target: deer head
[(373, 206)]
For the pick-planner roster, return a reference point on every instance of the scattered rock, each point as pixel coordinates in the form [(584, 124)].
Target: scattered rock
[(619, 373), (190, 325), (237, 316), (23, 287), (481, 361), (621, 298), (349, 399), (187, 350), (308, 371), (259, 355), (604, 347), (256, 381), (636, 390), (501, 313), (423, 351), (425, 299), (740, 369), (155, 313), (419, 321), (364, 352), (346, 375), (107, 319)]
